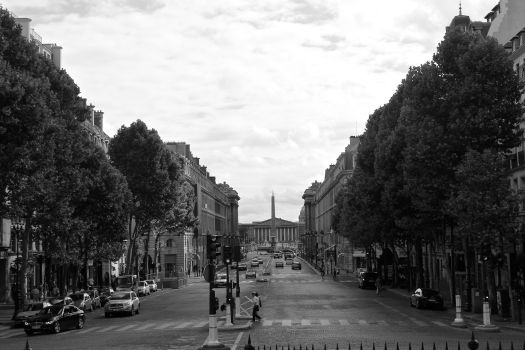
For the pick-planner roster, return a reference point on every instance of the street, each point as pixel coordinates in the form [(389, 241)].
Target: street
[(298, 308)]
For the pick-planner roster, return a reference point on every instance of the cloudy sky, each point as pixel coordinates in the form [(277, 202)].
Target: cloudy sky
[(266, 92)]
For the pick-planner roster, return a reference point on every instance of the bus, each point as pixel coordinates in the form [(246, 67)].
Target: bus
[(126, 282)]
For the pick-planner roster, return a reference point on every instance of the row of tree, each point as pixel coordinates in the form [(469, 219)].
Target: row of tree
[(63, 188), (434, 159)]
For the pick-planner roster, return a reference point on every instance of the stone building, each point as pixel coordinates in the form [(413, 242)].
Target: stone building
[(323, 245), (274, 233)]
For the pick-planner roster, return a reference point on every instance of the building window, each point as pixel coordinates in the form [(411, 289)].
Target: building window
[(169, 243)]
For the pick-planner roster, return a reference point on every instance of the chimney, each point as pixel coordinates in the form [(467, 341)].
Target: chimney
[(99, 119), (56, 55), (187, 152), (91, 115), (25, 24), (196, 160)]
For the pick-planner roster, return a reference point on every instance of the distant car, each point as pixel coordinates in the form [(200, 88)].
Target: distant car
[(242, 267), (60, 300), (251, 274), (234, 265), (82, 300), (55, 319), (367, 280), (289, 261), (29, 310), (296, 265), (426, 298), (260, 260), (143, 288), (122, 302), (279, 263), (152, 285), (277, 256), (95, 298), (220, 280), (254, 262)]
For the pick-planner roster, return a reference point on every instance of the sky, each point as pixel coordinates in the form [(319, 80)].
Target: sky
[(266, 92)]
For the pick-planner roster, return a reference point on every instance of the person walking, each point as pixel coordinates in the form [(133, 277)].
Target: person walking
[(379, 285), (256, 306)]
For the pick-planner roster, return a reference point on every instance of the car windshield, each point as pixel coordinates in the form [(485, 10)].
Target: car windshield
[(121, 296), (50, 310)]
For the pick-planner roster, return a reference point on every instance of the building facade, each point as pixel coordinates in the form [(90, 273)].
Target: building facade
[(273, 233), (322, 245), (216, 208)]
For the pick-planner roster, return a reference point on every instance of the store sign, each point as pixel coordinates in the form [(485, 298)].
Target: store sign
[(5, 233)]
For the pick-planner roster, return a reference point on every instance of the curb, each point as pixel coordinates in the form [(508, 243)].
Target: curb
[(236, 327)]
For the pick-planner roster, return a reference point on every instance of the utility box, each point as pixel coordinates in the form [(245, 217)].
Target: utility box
[(477, 301)]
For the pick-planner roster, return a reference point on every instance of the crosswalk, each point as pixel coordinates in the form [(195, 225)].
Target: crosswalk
[(196, 324)]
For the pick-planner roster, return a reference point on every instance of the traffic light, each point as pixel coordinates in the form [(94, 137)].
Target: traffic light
[(213, 243), (227, 254)]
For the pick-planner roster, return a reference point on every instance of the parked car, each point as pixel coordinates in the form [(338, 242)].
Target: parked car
[(233, 265), (255, 262), (277, 256), (279, 263), (426, 298), (95, 298), (152, 285), (55, 319), (251, 274), (143, 288), (122, 302), (29, 310), (105, 293), (220, 280), (367, 280), (82, 300), (289, 261), (296, 265), (242, 267)]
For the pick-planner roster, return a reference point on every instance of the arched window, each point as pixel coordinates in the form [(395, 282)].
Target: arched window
[(169, 243)]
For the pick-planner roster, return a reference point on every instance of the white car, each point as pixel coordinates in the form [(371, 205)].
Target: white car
[(152, 285), (122, 302), (143, 288)]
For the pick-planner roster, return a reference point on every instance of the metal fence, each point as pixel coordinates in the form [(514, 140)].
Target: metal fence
[(473, 344)]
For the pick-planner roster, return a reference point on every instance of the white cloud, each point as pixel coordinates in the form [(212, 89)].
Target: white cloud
[(266, 92)]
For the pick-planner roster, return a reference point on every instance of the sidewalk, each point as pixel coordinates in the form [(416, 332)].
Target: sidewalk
[(474, 318), (6, 312)]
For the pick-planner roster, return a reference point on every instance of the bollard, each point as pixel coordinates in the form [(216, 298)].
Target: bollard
[(249, 346), (27, 345), (458, 321), (486, 326)]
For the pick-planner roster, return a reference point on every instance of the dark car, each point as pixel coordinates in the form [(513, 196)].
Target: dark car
[(242, 267), (279, 263), (251, 274), (29, 311), (296, 265), (426, 298), (55, 319), (367, 279)]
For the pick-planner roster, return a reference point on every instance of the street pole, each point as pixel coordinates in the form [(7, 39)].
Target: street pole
[(228, 297), (17, 292)]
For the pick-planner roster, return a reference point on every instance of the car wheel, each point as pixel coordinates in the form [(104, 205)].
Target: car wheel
[(80, 323), (56, 327), (29, 331)]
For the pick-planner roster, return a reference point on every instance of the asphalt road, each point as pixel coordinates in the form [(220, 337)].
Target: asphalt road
[(299, 310)]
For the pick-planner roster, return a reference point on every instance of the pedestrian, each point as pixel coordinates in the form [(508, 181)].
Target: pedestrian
[(322, 273), (256, 306), (35, 292), (379, 285)]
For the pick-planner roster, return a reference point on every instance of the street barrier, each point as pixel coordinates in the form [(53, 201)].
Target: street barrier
[(473, 344)]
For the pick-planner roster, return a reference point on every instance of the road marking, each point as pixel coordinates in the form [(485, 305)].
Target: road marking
[(419, 323), (363, 322), (439, 323), (325, 322), (183, 325), (267, 323), (10, 333), (306, 323), (166, 325), (287, 323), (234, 346), (92, 329), (107, 329), (201, 324), (147, 325), (125, 328), (344, 323)]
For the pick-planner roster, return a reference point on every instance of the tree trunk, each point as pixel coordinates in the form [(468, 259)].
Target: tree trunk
[(491, 286), (419, 263), (22, 275), (395, 262)]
